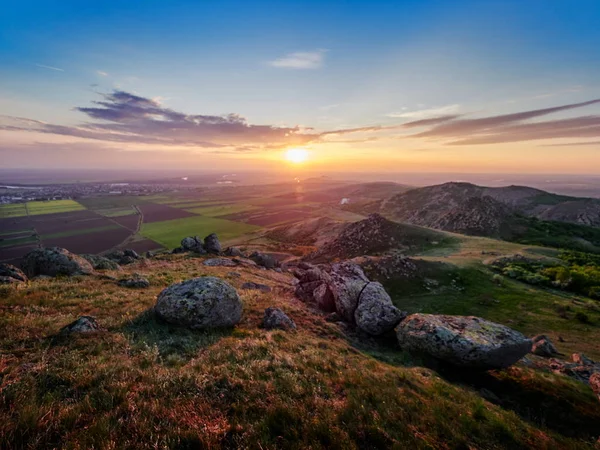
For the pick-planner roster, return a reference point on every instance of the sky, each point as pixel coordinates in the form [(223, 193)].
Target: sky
[(380, 86)]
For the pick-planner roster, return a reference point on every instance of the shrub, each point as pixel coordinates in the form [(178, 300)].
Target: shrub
[(582, 317)]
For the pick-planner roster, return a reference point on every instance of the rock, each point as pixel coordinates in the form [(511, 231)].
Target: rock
[(542, 346), (192, 244), (10, 274), (234, 251), (125, 260), (177, 250), (595, 383), (376, 314), (234, 274), (333, 317), (276, 318), (84, 324), (224, 262), (256, 286), (581, 359), (149, 254), (212, 244), (199, 303), (264, 260), (54, 261), (131, 253), (463, 341), (323, 296), (123, 257), (346, 284), (136, 282), (101, 263)]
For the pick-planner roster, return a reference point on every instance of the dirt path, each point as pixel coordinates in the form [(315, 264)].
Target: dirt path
[(131, 236)]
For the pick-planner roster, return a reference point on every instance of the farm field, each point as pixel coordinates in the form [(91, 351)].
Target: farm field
[(53, 207), (14, 210)]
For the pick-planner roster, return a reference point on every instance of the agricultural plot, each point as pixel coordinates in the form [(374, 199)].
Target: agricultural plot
[(53, 207), (159, 213), (15, 224), (13, 210), (130, 222), (14, 254), (221, 210), (95, 242), (71, 221), (112, 202), (117, 212), (144, 245), (169, 233)]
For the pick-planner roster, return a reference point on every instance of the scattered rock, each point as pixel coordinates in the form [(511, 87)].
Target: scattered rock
[(256, 286), (123, 257), (215, 262), (135, 282), (234, 274), (542, 346), (490, 396), (84, 324), (131, 253), (212, 244), (376, 313), (10, 274), (101, 263), (234, 251), (275, 318), (580, 358), (199, 303), (323, 296), (264, 260), (463, 341), (177, 250), (192, 244), (595, 383), (54, 261)]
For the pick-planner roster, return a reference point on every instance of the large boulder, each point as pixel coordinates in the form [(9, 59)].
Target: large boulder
[(233, 251), (54, 261), (469, 342), (101, 263), (193, 244), (375, 313), (275, 318), (222, 262), (199, 303), (347, 280), (542, 346), (123, 257), (10, 274), (212, 244), (264, 260), (135, 282)]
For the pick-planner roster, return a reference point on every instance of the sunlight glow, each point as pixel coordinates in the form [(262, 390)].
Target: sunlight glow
[(296, 155)]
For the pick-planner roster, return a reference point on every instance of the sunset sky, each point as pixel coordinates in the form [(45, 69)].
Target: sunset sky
[(423, 85)]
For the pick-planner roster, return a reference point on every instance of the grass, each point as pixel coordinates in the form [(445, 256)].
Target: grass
[(12, 210), (170, 233), (117, 212), (53, 207), (141, 384)]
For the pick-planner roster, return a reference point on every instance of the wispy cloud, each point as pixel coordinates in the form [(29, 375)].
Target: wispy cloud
[(300, 60), (43, 66), (427, 113), (101, 73)]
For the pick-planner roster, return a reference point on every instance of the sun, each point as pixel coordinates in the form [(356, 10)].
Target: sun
[(296, 155)]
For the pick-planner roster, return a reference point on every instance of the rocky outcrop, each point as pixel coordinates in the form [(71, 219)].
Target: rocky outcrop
[(347, 280), (193, 244), (595, 383), (375, 313), (135, 282), (275, 318), (101, 263), (212, 244), (123, 257), (54, 261), (256, 286), (219, 262), (11, 275), (469, 342), (264, 260), (84, 324), (199, 303), (542, 346), (233, 251)]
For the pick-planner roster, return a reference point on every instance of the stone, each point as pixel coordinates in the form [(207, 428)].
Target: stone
[(376, 314), (542, 346), (234, 274), (131, 253), (469, 342), (192, 244), (10, 274), (234, 251), (595, 383), (135, 282), (101, 263), (275, 318), (264, 260), (54, 261), (177, 250), (200, 303), (256, 286), (212, 244), (346, 284), (323, 296), (223, 262), (581, 359), (84, 324)]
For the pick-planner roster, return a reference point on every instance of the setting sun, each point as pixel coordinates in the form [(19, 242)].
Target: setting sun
[(296, 155)]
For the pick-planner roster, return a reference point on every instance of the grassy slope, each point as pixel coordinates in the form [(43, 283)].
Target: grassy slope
[(141, 384)]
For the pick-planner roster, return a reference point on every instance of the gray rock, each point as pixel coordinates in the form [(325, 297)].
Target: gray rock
[(463, 341), (595, 383), (135, 282), (542, 346), (177, 250), (199, 303), (193, 244), (101, 263), (234, 251), (264, 260), (10, 274), (84, 324), (256, 286), (234, 274), (580, 358), (376, 313), (54, 261), (223, 262), (323, 296), (275, 318), (123, 257), (347, 282), (212, 244), (131, 253), (127, 259)]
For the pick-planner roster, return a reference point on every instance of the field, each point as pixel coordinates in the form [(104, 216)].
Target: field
[(53, 207)]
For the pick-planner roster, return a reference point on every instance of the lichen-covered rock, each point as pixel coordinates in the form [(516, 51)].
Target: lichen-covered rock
[(347, 281), (131, 253), (595, 383), (212, 244), (275, 318), (223, 262), (135, 282), (375, 313), (323, 296), (256, 286), (542, 346), (463, 341), (205, 302), (101, 263), (54, 261), (234, 251), (264, 260), (192, 244), (580, 358), (123, 257), (84, 324), (10, 274)]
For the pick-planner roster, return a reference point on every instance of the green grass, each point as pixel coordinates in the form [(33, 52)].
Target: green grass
[(12, 210), (117, 212), (22, 231), (18, 241), (170, 233), (53, 207), (79, 232), (222, 210)]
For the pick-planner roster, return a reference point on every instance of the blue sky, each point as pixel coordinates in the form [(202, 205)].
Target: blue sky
[(319, 66)]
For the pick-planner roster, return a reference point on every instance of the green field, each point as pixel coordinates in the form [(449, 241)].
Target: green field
[(170, 232), (53, 207), (117, 212), (18, 241), (112, 202), (12, 210), (222, 210)]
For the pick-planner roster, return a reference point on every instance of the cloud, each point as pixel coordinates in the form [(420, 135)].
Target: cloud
[(432, 121), (571, 144), (49, 67), (427, 113), (101, 73), (515, 127), (300, 60)]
